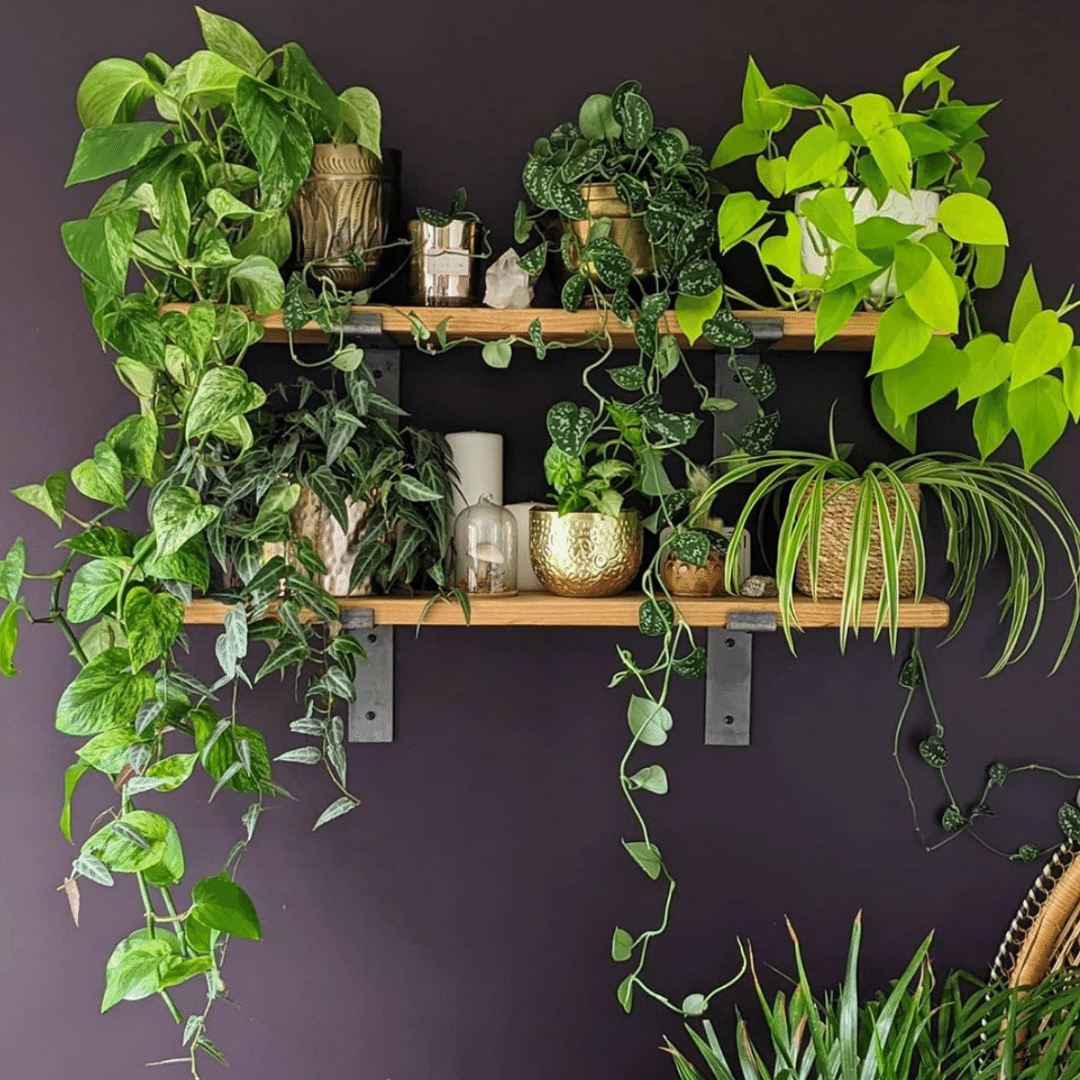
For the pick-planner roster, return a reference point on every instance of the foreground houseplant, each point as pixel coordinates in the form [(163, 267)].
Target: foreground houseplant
[(855, 174), (920, 1028), (199, 213)]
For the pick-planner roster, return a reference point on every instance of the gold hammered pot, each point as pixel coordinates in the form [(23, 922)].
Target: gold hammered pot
[(627, 231), (346, 205), (584, 554)]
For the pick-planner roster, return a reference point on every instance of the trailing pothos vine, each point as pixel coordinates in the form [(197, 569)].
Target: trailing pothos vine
[(200, 213)]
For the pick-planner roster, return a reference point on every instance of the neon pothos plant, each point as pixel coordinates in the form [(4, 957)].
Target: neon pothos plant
[(853, 172), (216, 474)]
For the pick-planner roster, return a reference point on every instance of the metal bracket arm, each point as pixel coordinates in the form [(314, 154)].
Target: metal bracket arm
[(728, 677)]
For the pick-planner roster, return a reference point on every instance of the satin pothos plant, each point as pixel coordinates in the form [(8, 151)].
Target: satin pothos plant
[(891, 202), (182, 496)]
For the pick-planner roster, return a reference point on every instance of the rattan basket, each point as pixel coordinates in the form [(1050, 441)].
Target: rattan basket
[(839, 512), (1045, 935)]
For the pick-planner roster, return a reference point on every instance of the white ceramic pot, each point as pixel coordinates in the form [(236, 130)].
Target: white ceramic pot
[(919, 208)]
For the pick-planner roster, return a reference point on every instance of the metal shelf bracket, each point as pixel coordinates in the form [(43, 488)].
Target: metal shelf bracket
[(728, 676)]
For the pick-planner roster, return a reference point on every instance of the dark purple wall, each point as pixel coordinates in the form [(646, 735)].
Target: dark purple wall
[(457, 924)]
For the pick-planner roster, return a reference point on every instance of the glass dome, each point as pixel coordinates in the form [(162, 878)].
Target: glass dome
[(485, 550)]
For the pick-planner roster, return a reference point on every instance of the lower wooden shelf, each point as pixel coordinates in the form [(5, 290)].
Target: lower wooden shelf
[(546, 609)]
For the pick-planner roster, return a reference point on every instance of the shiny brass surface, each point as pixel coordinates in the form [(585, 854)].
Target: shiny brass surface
[(686, 579), (444, 267), (584, 554), (627, 231), (346, 205)]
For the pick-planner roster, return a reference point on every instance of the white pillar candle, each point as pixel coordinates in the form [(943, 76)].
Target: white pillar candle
[(478, 460), (526, 579)]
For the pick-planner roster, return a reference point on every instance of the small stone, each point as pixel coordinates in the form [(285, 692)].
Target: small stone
[(758, 585), (507, 285)]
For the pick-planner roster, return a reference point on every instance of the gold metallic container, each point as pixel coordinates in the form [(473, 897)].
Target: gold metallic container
[(346, 205), (444, 267), (585, 554), (627, 231)]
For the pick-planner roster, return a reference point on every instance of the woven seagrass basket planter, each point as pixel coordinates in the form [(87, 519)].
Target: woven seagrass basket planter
[(836, 525)]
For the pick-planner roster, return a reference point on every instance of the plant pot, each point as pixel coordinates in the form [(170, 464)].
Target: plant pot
[(627, 231), (688, 579), (346, 206), (444, 267), (585, 554), (336, 548), (919, 208), (836, 525)]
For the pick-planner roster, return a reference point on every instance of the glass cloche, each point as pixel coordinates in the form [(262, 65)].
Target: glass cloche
[(485, 550)]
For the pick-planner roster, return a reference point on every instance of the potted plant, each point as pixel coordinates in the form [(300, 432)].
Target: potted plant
[(891, 211), (447, 249)]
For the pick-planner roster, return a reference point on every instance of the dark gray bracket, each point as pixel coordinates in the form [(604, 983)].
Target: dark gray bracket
[(371, 715), (728, 384), (728, 677), (730, 651)]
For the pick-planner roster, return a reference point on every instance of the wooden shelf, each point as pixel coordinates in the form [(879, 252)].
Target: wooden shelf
[(566, 327), (545, 609)]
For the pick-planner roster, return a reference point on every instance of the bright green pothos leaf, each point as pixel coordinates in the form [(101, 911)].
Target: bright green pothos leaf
[(224, 393), (622, 946), (647, 856), (50, 497), (93, 587), (136, 967), (177, 515), (140, 842), (1038, 414), (153, 622), (106, 693), (652, 778), (222, 905)]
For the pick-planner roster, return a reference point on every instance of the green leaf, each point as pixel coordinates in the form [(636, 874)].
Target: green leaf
[(596, 119), (652, 778), (191, 563), (570, 427), (917, 77), (223, 393), (738, 214), (647, 856), (108, 751), (1043, 346), (232, 41), (739, 142), (177, 516), (989, 265), (222, 905), (928, 378), (135, 968), (989, 364), (692, 312), (260, 283), (140, 842), (335, 810), (772, 174), (816, 155), (694, 1005), (892, 155), (758, 111), (113, 148), (9, 640), (12, 568), (933, 752), (172, 770), (901, 337), (153, 622), (933, 299), (649, 722), (1069, 821), (408, 487), (1026, 305), (93, 588), (101, 246), (832, 215), (690, 546), (655, 617), (104, 694), (990, 422), (1070, 369), (50, 498), (726, 331), (622, 946), (637, 120), (1038, 414), (219, 753), (135, 442), (112, 90), (625, 993), (497, 354), (834, 310), (72, 775), (361, 117), (971, 219), (101, 477)]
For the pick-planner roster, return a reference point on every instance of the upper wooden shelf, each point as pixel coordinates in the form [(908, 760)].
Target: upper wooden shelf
[(567, 327), (546, 609)]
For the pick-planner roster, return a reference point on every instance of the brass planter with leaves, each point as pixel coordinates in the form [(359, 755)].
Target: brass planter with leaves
[(584, 554), (346, 207), (627, 231)]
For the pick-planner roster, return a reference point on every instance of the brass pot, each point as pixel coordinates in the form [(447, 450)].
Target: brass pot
[(346, 205), (687, 579), (837, 521), (585, 554), (627, 231), (444, 267)]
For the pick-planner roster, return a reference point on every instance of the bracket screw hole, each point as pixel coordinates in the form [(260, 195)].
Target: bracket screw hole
[(370, 714), (378, 374), (730, 642), (736, 379), (372, 638), (729, 719)]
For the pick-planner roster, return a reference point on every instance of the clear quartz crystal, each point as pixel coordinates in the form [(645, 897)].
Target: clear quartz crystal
[(485, 550)]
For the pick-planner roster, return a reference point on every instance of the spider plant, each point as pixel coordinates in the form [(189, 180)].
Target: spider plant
[(965, 1029), (988, 507)]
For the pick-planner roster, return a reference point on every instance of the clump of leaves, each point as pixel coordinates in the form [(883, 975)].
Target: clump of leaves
[(457, 211)]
